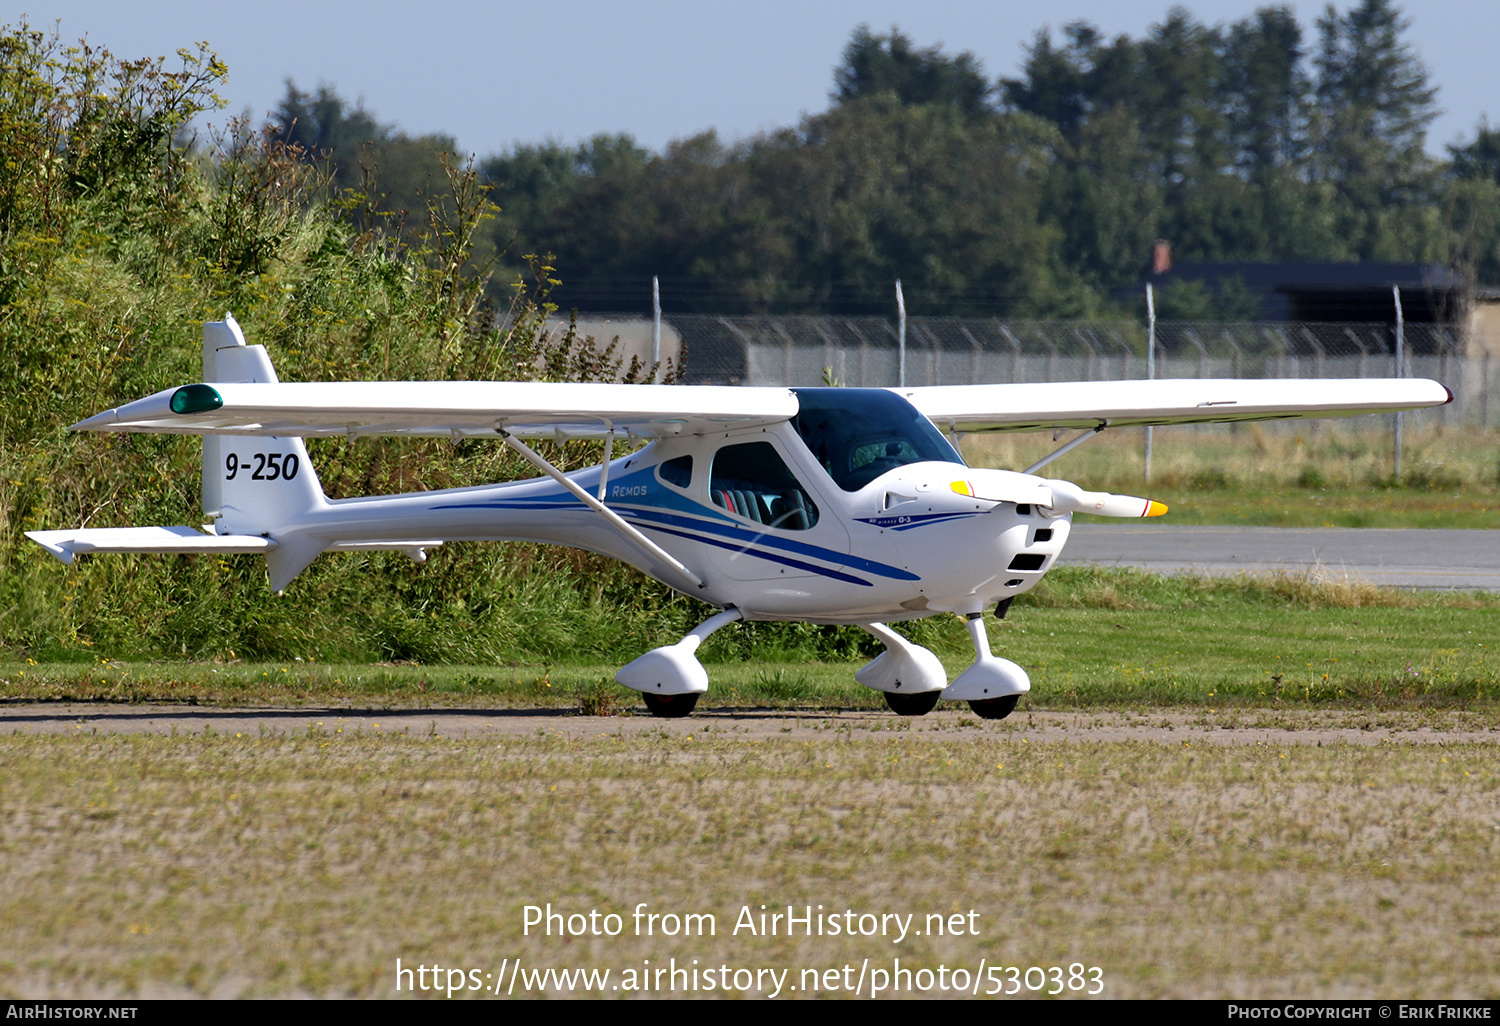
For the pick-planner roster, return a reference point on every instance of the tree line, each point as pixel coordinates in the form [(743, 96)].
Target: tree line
[(1033, 195)]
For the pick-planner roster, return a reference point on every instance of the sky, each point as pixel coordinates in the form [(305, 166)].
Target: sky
[(499, 73)]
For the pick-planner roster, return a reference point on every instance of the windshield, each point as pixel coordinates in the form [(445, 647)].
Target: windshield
[(857, 434)]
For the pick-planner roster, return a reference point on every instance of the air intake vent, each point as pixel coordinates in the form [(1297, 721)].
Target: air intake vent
[(1027, 561)]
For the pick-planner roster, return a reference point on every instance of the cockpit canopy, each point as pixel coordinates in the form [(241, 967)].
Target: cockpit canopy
[(857, 434)]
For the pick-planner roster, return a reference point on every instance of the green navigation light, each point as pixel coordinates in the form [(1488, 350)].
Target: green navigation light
[(196, 399)]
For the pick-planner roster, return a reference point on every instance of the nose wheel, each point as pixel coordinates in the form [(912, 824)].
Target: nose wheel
[(670, 707), (919, 704), (994, 708)]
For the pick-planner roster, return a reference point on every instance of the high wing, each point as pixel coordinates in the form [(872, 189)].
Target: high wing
[(544, 409), (447, 409), (1088, 404)]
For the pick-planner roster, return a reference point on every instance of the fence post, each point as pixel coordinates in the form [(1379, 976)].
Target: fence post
[(974, 350), (900, 336), (655, 331), (1400, 344), (1484, 392), (1234, 370), (1150, 363), (1017, 368)]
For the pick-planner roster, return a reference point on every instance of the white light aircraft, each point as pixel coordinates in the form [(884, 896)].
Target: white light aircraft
[(826, 505)]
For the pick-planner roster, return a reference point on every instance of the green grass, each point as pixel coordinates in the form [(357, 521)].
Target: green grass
[(1350, 507), (1088, 638)]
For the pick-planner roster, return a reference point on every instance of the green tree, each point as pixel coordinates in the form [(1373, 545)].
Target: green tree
[(1374, 105), (1471, 205), (1070, 84), (1265, 93), (873, 190), (324, 125), (1479, 158), (875, 65), (1106, 210), (1176, 101), (390, 179)]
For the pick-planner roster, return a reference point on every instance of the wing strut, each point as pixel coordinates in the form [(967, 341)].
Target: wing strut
[(609, 448), (1084, 437), (539, 462)]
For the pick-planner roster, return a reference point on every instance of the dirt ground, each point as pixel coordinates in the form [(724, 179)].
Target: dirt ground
[(1227, 726), (1209, 852)]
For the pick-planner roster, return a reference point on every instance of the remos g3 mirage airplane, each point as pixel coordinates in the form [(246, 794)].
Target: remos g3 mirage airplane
[(828, 505)]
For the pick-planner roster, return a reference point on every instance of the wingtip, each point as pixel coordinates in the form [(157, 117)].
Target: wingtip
[(49, 541), (98, 422)]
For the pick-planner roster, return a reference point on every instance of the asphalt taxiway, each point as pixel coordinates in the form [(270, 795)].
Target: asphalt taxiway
[(1402, 558)]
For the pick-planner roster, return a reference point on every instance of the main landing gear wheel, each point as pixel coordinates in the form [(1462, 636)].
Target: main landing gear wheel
[(994, 708), (670, 707), (919, 704)]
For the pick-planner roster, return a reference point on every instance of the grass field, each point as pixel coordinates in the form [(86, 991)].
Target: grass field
[(308, 864), (1319, 474), (249, 861)]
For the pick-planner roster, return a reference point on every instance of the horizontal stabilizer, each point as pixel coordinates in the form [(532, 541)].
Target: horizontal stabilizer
[(66, 544)]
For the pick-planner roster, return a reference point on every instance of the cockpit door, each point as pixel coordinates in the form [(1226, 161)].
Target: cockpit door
[(779, 525)]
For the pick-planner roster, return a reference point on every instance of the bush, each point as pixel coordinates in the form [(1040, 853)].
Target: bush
[(117, 240)]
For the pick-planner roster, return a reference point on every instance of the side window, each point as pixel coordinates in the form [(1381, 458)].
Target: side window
[(753, 481), (677, 472)]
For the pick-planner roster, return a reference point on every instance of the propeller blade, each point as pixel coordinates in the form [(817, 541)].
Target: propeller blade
[(1058, 497), (1069, 498), (1003, 486)]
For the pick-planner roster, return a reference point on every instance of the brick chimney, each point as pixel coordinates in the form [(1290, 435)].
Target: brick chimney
[(1161, 257)]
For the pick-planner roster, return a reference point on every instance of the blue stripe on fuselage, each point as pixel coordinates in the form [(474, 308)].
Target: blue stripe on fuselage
[(748, 536), (661, 506), (762, 554)]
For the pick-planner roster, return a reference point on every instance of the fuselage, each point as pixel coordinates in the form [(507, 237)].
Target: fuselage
[(841, 516)]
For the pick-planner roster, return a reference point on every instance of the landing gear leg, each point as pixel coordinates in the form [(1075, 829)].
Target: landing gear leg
[(992, 685), (910, 676), (671, 678)]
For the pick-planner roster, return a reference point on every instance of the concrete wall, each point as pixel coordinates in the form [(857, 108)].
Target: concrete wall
[(634, 334)]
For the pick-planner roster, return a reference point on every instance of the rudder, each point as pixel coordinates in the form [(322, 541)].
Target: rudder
[(252, 485)]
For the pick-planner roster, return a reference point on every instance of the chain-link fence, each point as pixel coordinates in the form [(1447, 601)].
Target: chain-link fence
[(864, 351)]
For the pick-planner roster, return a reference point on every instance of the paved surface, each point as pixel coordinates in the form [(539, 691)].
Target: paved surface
[(1229, 726), (1467, 560)]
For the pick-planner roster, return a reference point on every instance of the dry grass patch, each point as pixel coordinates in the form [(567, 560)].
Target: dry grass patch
[(280, 865)]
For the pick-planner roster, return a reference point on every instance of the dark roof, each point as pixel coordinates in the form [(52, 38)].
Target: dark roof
[(1297, 277), (1354, 292)]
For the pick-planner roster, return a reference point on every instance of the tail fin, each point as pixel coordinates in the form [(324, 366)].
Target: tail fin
[(256, 485), (252, 485), (260, 491)]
